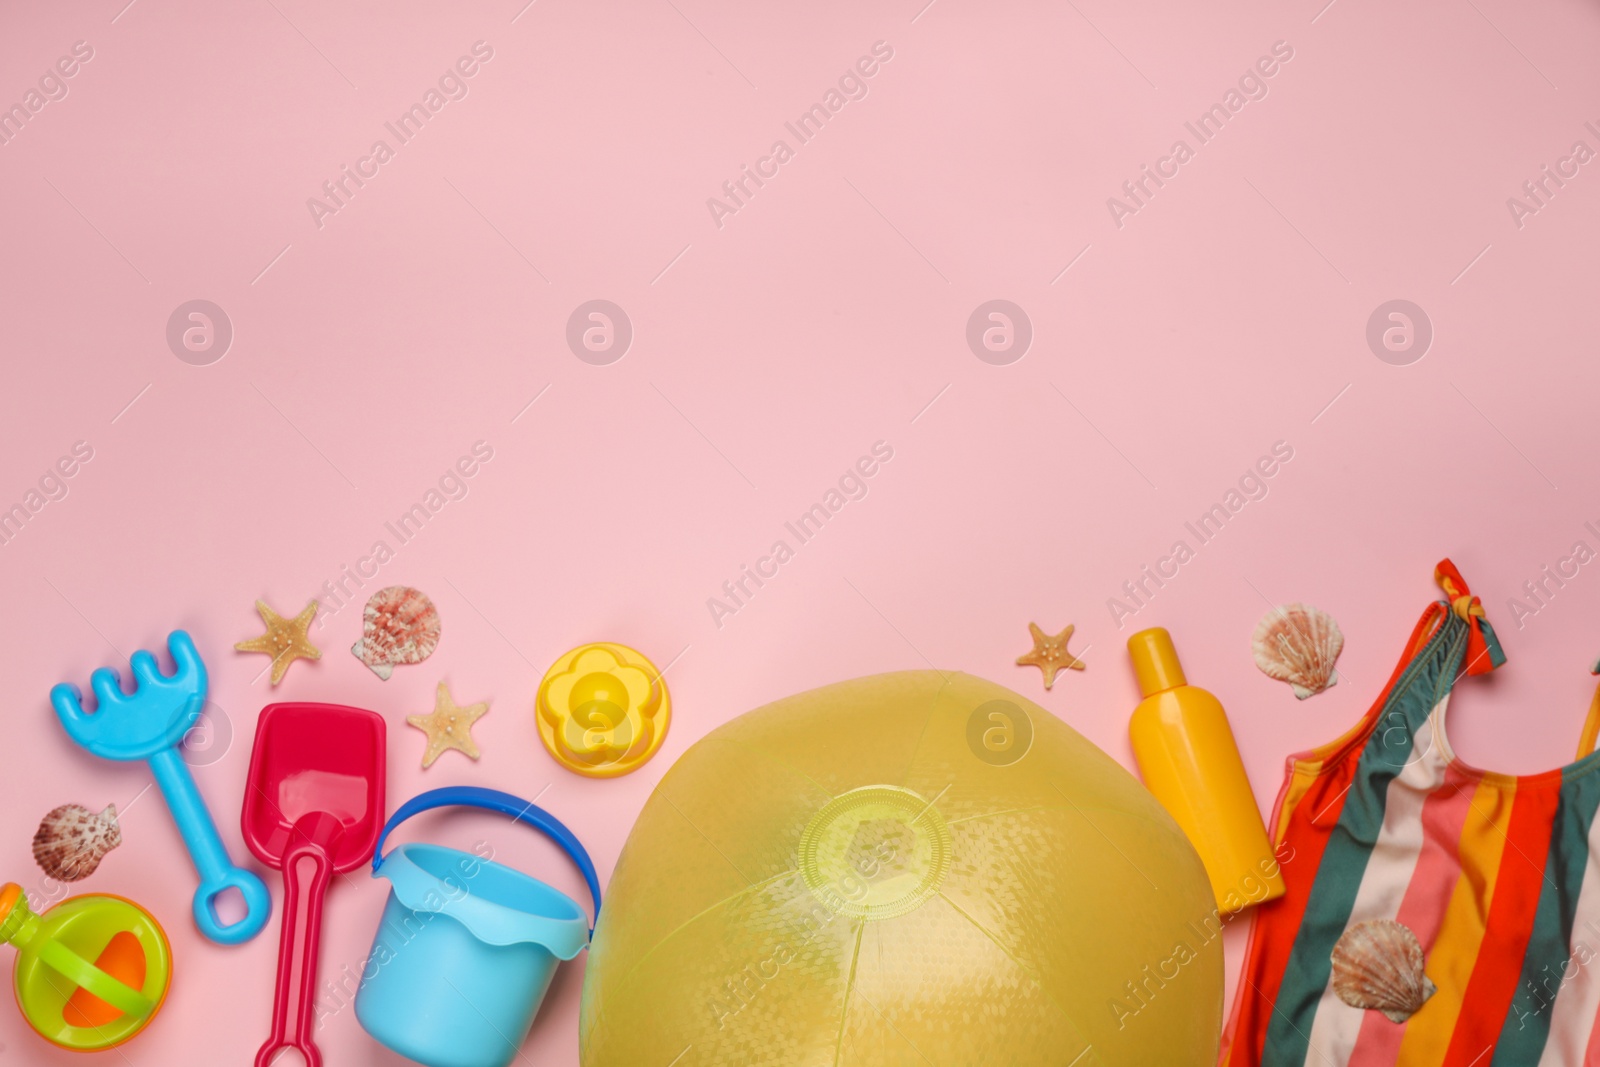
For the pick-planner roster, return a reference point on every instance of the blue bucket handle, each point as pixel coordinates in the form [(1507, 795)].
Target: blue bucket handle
[(524, 811)]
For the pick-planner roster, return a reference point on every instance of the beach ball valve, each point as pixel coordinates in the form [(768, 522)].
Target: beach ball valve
[(91, 972), (603, 710)]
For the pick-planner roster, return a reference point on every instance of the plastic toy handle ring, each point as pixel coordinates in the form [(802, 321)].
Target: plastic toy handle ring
[(217, 872), (523, 811)]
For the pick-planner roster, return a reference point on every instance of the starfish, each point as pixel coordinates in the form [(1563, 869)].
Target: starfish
[(1050, 654), (448, 726), (285, 641)]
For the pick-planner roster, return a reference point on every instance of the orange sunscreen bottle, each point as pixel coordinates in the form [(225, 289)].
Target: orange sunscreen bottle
[(1188, 759)]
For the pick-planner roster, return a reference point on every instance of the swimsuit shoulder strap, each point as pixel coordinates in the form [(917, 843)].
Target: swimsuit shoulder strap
[(1452, 639), (1591, 725), (1483, 647)]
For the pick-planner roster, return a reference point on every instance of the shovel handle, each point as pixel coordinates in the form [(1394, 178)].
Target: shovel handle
[(210, 858), (303, 941)]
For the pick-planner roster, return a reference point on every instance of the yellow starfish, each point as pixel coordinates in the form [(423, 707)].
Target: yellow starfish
[(448, 726), (285, 641), (1049, 654)]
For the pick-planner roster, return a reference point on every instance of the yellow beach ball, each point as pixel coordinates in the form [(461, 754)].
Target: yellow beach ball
[(914, 868)]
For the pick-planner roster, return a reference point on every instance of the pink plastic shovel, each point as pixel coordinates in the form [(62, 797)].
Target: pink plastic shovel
[(315, 794)]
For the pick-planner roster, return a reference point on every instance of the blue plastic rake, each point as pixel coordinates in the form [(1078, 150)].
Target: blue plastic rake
[(149, 724)]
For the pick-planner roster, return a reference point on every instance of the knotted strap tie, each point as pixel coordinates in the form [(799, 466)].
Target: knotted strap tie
[(1484, 653)]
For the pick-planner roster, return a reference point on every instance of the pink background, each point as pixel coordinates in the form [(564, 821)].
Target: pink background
[(768, 354)]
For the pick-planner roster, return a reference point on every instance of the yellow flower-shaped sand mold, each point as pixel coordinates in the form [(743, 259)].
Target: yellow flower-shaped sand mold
[(603, 710)]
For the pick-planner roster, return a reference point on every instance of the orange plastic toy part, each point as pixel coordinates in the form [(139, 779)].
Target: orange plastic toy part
[(123, 959), (10, 893)]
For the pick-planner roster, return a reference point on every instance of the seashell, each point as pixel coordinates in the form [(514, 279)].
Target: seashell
[(399, 625), (1378, 965), (1298, 644), (71, 841)]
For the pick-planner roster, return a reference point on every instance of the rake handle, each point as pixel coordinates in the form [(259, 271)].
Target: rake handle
[(210, 858)]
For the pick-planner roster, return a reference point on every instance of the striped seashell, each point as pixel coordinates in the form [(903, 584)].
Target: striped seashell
[(71, 841), (1377, 965), (1298, 644), (399, 625)]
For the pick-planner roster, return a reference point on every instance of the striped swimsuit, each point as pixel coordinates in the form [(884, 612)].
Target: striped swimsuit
[(1491, 873)]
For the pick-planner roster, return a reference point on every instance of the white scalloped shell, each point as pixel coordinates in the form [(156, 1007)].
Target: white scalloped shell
[(1298, 644)]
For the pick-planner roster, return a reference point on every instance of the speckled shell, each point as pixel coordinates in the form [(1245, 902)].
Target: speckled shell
[(71, 841), (1378, 965), (399, 625), (1298, 644)]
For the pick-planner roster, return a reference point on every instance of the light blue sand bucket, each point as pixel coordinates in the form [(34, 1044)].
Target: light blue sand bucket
[(467, 947)]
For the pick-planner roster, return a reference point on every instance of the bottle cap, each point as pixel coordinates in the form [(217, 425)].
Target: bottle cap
[(1155, 661)]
